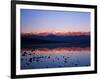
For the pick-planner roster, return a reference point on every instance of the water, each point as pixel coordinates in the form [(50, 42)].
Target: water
[(54, 56)]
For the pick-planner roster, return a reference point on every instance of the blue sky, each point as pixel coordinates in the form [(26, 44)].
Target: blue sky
[(54, 21)]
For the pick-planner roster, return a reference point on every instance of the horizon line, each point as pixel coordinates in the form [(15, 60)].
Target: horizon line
[(56, 33)]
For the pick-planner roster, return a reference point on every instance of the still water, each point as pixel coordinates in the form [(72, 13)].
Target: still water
[(54, 56)]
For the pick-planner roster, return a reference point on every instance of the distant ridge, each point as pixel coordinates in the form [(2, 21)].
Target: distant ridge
[(57, 34), (41, 38)]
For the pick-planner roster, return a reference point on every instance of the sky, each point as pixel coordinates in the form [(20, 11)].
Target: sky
[(54, 21)]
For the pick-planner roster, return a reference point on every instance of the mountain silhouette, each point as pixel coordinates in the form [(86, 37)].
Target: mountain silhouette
[(38, 39)]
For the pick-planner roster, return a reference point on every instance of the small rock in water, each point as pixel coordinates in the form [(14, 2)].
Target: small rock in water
[(65, 61), (30, 54), (30, 60), (48, 56), (27, 63), (47, 67), (33, 50), (65, 58), (37, 60), (59, 66), (76, 64), (57, 58), (24, 54), (68, 57)]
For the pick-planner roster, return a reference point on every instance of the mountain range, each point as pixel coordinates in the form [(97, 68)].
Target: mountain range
[(42, 38)]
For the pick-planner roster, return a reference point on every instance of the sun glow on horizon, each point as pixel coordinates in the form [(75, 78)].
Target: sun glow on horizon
[(57, 33)]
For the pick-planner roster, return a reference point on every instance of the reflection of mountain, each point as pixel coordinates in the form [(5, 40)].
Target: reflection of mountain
[(56, 49), (40, 39)]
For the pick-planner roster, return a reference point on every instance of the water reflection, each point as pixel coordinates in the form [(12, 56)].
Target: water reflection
[(35, 58)]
